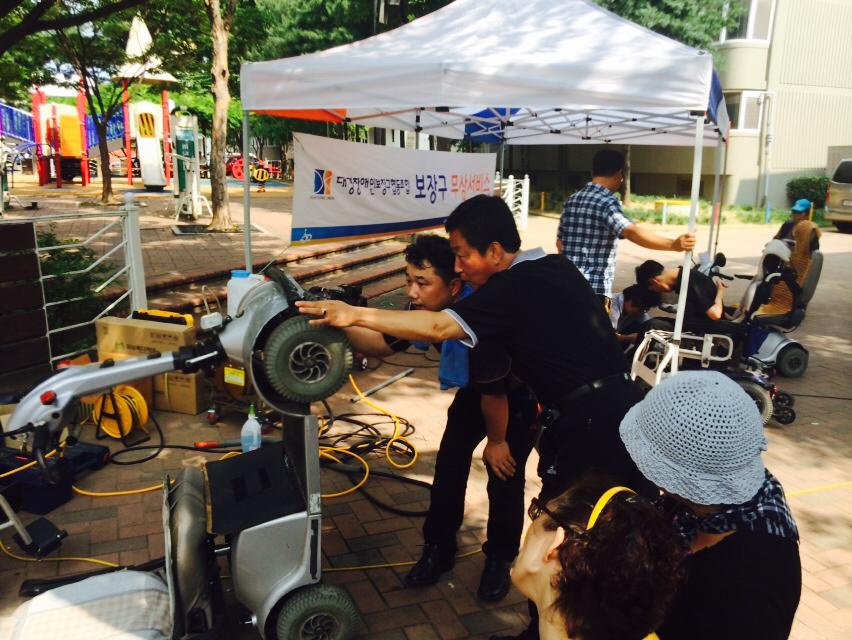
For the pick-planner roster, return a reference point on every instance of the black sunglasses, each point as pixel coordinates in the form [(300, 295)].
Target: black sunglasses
[(537, 508)]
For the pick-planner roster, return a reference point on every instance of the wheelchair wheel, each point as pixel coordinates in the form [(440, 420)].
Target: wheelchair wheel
[(761, 398), (317, 612), (784, 415), (792, 361), (306, 363), (783, 399)]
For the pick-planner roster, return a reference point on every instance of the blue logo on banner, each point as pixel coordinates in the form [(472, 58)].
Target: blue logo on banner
[(322, 182)]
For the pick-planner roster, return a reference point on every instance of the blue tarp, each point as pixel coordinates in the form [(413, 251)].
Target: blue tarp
[(16, 123)]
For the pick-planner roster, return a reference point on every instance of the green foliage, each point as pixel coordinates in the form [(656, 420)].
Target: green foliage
[(79, 288), (811, 187), (304, 26), (23, 66), (697, 24)]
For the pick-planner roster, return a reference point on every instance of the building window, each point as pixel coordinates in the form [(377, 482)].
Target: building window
[(754, 22), (744, 109)]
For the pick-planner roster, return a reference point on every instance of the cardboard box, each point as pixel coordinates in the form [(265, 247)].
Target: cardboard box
[(141, 337), (145, 386), (181, 392)]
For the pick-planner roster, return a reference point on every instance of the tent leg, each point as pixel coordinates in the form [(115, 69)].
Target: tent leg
[(693, 212), (716, 208), (246, 192), (721, 195)]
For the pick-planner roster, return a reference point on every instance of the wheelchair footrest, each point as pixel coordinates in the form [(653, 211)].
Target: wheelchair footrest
[(46, 538)]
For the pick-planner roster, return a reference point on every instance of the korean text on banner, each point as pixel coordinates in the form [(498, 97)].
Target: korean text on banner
[(351, 190)]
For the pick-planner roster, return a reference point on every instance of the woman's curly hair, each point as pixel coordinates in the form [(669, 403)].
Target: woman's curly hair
[(618, 578)]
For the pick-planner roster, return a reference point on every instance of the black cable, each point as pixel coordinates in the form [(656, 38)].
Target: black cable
[(354, 473)]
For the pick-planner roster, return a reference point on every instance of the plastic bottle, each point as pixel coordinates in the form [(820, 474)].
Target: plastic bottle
[(240, 284), (250, 436)]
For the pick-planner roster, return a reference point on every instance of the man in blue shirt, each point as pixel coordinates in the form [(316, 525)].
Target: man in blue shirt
[(592, 223)]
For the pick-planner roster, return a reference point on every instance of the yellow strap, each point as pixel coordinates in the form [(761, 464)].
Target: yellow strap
[(602, 502)]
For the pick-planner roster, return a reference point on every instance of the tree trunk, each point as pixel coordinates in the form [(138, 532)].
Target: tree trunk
[(627, 193), (103, 152), (220, 26)]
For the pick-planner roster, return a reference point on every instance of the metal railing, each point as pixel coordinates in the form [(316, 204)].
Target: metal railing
[(125, 255), (516, 193)]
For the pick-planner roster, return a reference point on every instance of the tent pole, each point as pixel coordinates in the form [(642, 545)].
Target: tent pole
[(693, 211), (246, 192), (721, 194), (715, 214)]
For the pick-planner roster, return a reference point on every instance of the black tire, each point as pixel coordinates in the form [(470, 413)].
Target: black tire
[(784, 416), (843, 227), (317, 612), (792, 362), (305, 363), (761, 398), (783, 399)]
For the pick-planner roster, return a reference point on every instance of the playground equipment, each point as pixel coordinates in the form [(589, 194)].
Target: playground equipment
[(147, 128), (7, 156), (187, 167), (60, 140)]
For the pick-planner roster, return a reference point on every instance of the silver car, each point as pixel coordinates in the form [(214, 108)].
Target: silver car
[(838, 200)]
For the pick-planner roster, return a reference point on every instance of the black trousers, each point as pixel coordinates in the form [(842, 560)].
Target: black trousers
[(585, 437), (464, 431)]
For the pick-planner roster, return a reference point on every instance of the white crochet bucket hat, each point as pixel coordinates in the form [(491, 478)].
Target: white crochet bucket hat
[(698, 435)]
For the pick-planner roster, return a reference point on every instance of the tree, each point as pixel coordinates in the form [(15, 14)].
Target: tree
[(221, 16), (96, 53), (23, 18), (24, 66), (697, 24)]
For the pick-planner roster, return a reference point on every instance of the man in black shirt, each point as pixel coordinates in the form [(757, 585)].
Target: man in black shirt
[(705, 309), (542, 310), (492, 405)]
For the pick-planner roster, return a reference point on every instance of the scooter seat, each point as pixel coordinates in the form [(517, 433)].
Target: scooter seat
[(782, 321), (126, 605)]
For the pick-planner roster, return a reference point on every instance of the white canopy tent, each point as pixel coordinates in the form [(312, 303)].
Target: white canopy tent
[(513, 71)]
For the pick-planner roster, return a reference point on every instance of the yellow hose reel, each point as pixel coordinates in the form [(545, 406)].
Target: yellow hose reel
[(119, 411)]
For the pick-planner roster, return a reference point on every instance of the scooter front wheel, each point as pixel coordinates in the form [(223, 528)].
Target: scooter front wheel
[(317, 612)]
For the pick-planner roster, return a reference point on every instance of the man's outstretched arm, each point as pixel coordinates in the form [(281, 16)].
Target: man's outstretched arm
[(427, 326), (646, 238)]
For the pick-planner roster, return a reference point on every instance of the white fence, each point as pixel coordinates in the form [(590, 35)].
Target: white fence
[(516, 193)]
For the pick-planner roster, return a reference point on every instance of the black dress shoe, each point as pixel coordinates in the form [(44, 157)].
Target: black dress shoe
[(495, 582), (431, 565)]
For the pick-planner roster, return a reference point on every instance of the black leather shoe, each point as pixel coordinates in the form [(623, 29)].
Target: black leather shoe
[(495, 582), (431, 565)]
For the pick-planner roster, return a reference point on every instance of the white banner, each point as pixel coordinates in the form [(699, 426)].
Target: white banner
[(346, 190)]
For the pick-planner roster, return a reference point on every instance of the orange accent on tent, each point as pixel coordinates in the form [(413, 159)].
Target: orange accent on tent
[(323, 115)]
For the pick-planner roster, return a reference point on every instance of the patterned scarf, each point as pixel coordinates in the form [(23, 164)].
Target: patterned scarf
[(767, 512)]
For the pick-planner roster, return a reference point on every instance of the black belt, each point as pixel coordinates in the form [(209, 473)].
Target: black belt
[(588, 389)]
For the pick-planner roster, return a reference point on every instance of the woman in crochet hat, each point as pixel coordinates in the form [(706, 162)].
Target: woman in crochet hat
[(699, 437)]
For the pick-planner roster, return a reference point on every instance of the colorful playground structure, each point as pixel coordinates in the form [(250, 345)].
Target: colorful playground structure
[(61, 138)]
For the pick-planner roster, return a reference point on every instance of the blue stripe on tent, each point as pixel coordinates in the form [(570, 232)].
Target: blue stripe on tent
[(716, 97), (313, 234), (489, 132)]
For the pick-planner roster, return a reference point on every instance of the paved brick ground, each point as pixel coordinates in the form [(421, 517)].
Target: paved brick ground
[(812, 452)]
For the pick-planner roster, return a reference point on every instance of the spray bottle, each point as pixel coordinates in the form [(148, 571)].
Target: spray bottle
[(250, 436)]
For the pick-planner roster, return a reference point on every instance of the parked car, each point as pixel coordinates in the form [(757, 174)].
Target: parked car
[(838, 199)]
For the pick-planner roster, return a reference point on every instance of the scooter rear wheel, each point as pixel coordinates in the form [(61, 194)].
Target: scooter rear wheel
[(792, 361)]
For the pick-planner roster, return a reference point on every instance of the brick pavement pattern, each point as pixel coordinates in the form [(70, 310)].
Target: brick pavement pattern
[(814, 451)]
